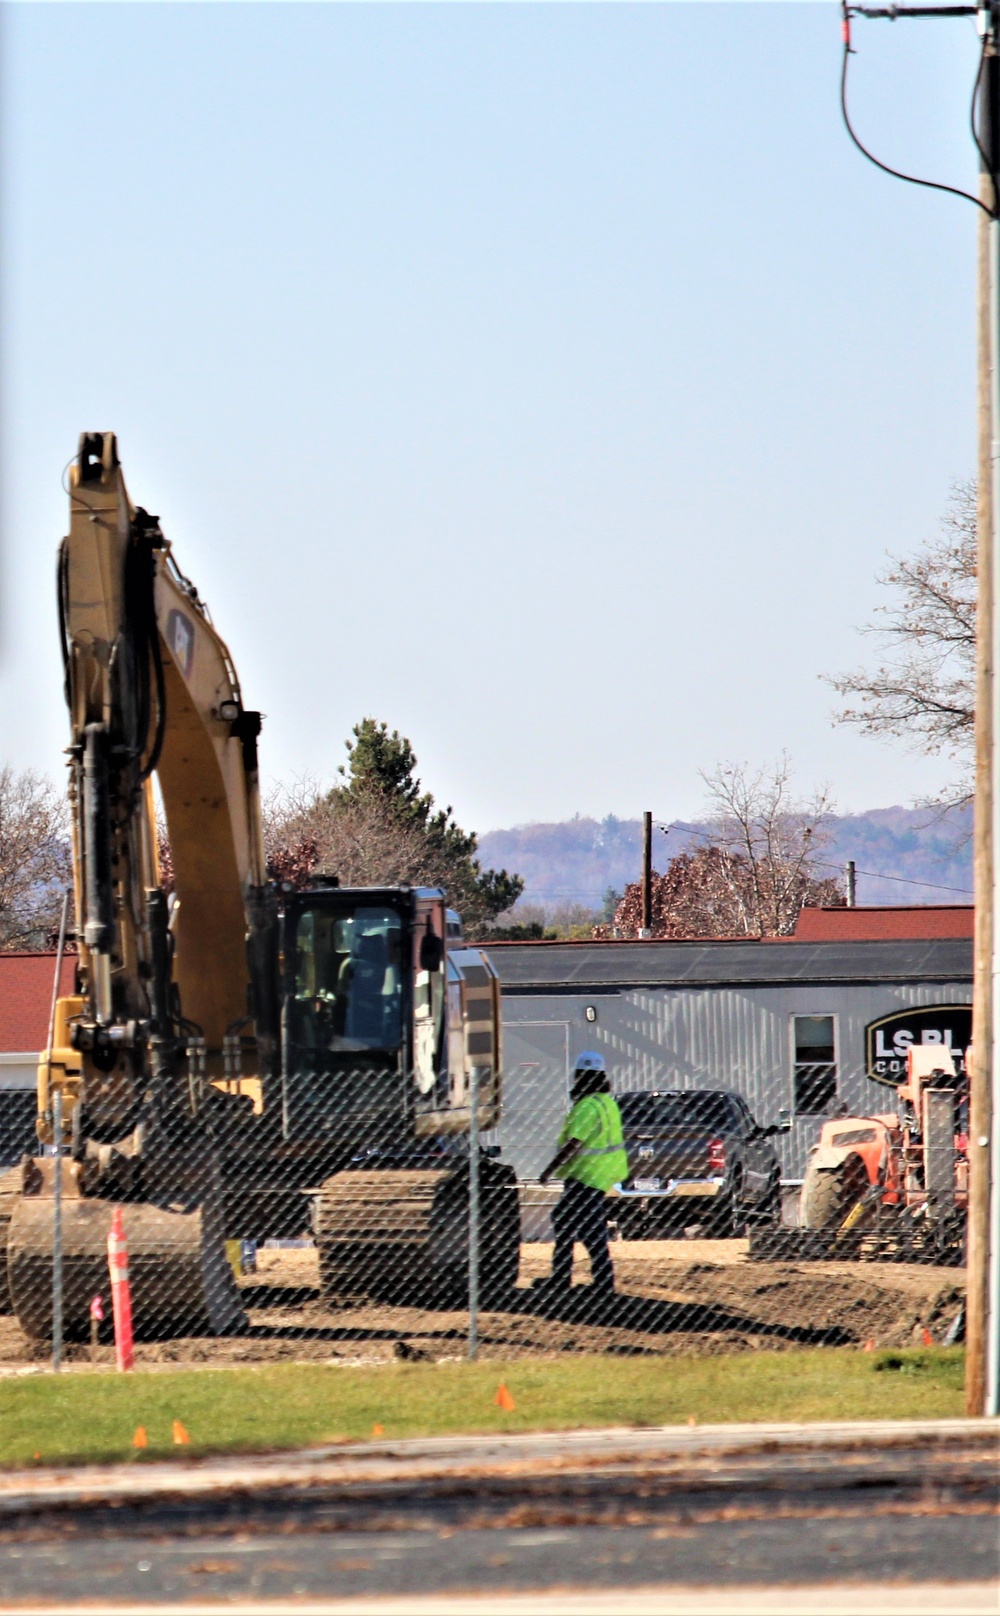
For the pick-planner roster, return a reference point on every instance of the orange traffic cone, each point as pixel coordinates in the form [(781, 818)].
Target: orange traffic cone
[(180, 1434), (140, 1440), (869, 1345), (377, 1430), (121, 1293), (926, 1339), (504, 1400)]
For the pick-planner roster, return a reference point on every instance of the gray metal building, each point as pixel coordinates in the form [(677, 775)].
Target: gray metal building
[(783, 1023)]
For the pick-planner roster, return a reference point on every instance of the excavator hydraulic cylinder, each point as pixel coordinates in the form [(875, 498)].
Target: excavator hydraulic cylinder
[(99, 919)]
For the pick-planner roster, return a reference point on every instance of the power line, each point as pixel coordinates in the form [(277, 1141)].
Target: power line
[(892, 12), (827, 864)]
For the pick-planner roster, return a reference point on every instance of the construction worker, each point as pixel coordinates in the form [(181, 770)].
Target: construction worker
[(590, 1158)]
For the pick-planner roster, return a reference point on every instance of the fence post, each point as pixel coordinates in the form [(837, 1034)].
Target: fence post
[(57, 1263), (473, 1211)]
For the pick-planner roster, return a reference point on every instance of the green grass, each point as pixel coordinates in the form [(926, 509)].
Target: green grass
[(76, 1417)]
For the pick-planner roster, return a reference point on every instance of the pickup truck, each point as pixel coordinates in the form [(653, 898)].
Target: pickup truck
[(695, 1156)]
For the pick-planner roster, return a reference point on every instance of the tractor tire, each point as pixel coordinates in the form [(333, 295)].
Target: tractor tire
[(829, 1193)]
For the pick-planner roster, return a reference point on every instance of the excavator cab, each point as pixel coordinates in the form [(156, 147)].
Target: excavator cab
[(363, 1033), (384, 1015)]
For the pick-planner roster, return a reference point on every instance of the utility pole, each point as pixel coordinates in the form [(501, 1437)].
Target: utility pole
[(983, 1299), (982, 1376), (978, 1309), (851, 883), (647, 875)]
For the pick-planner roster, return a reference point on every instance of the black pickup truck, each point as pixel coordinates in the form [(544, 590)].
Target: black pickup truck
[(695, 1156)]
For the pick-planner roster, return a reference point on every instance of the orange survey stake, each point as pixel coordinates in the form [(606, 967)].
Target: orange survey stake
[(121, 1294)]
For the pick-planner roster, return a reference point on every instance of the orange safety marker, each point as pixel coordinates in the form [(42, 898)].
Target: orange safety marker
[(377, 1430), (180, 1434), (504, 1400), (926, 1339), (140, 1440), (121, 1293), (691, 1420), (869, 1345)]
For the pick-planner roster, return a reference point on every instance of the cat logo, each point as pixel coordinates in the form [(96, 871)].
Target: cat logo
[(888, 1039), (180, 639)]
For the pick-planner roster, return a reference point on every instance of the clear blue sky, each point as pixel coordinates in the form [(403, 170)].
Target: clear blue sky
[(549, 381)]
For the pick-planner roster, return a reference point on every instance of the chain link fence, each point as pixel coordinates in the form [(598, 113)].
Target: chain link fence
[(439, 1250)]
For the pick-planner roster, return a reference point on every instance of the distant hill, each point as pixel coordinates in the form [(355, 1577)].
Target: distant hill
[(903, 855)]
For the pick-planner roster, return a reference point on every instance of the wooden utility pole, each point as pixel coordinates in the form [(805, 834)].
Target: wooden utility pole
[(647, 874), (982, 1379), (978, 1309)]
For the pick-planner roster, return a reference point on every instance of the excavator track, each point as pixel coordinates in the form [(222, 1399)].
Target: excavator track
[(10, 1189), (181, 1282), (402, 1234)]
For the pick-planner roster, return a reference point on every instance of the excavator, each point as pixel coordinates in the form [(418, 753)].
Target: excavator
[(240, 1060)]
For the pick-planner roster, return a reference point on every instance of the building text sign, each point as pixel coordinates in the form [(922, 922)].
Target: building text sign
[(888, 1039)]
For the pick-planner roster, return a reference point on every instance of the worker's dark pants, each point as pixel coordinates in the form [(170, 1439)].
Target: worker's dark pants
[(579, 1215)]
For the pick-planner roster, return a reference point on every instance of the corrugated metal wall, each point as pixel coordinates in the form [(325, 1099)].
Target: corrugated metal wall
[(726, 1037)]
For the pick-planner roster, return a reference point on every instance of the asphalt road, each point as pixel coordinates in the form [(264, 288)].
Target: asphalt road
[(304, 1565), (638, 1519)]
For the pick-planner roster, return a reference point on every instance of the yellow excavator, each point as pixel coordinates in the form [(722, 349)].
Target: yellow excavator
[(239, 1060)]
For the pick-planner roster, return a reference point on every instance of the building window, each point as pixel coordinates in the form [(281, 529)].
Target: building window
[(815, 1062)]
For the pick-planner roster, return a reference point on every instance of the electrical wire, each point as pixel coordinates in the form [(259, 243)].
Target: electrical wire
[(897, 173), (827, 864), (983, 154)]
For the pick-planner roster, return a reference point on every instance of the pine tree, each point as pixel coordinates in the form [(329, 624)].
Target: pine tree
[(377, 827)]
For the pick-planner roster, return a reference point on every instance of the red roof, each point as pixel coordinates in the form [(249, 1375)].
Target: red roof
[(26, 999), (877, 921)]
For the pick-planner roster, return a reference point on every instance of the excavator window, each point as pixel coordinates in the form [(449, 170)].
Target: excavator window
[(349, 990)]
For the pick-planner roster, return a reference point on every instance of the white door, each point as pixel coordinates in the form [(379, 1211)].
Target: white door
[(535, 1092)]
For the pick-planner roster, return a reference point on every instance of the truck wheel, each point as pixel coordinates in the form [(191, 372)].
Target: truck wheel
[(767, 1214), (828, 1193), (631, 1223), (729, 1216)]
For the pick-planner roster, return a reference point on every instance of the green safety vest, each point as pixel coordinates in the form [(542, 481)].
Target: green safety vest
[(596, 1122)]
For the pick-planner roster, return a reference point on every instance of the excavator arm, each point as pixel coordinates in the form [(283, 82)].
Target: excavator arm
[(152, 693), (140, 1048)]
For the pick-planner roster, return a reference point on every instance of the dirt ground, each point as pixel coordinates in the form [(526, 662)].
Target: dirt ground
[(686, 1296)]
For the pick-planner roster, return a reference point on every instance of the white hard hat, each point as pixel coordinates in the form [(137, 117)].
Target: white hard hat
[(590, 1061)]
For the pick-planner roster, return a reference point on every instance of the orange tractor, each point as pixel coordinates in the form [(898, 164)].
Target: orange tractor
[(894, 1186)]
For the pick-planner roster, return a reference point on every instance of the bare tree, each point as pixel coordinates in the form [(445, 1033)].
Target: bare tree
[(309, 832), (35, 864), (778, 839), (923, 692), (759, 861), (700, 894)]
